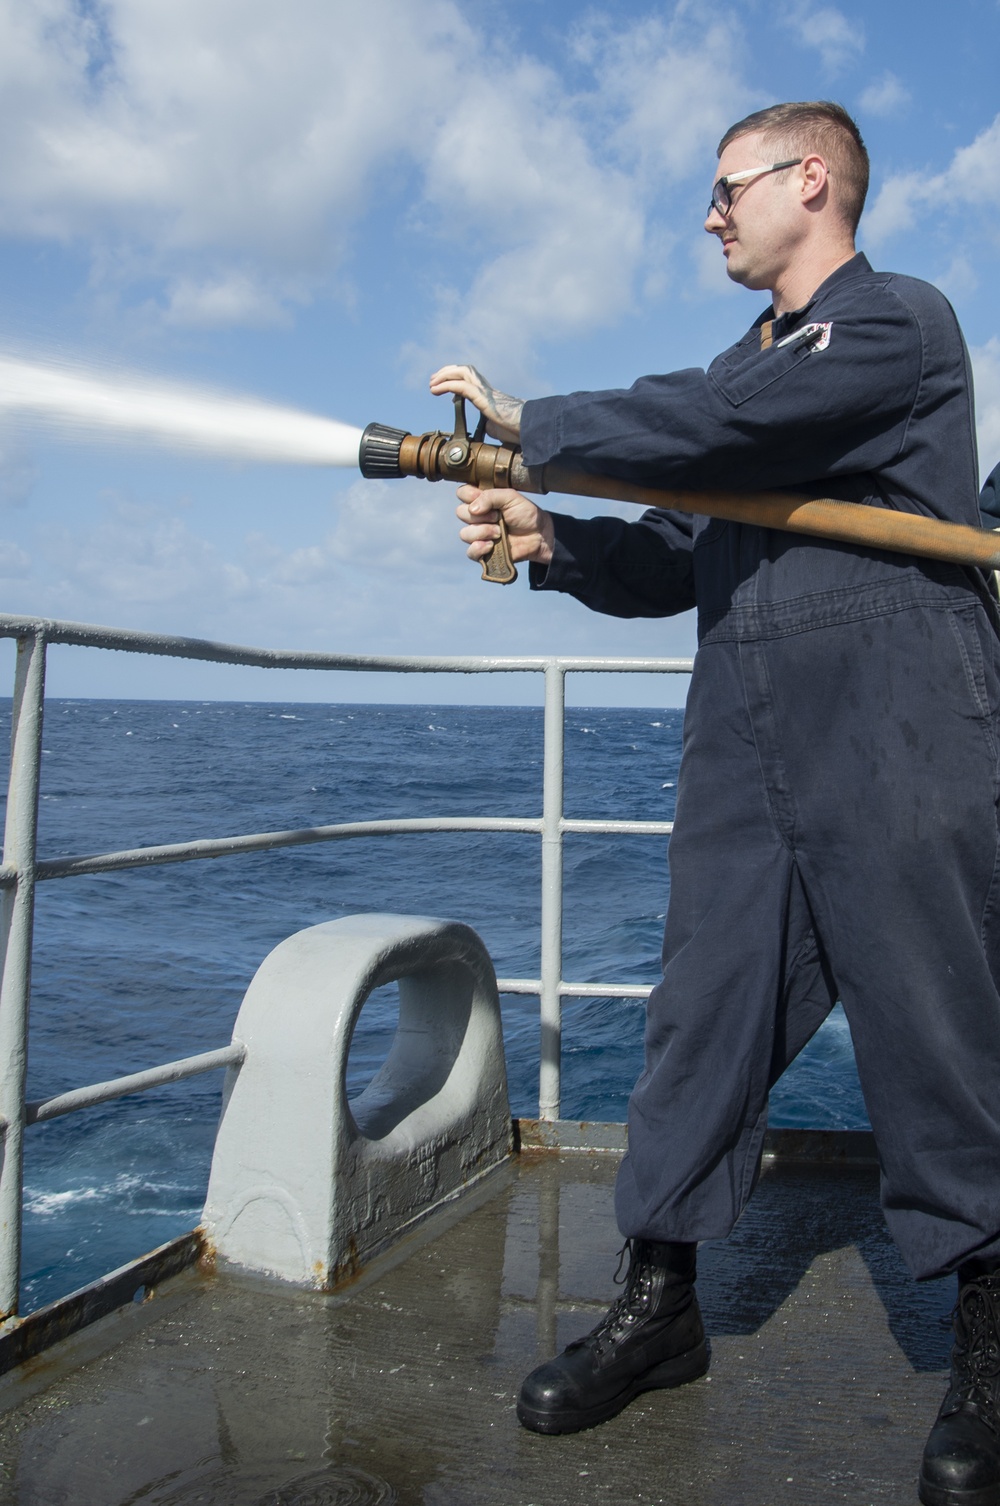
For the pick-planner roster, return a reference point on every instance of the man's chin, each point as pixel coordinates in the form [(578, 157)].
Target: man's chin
[(744, 275)]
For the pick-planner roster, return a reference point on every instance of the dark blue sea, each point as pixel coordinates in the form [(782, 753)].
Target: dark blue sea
[(139, 967)]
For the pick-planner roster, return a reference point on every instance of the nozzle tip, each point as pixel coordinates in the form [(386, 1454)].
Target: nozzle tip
[(378, 453)]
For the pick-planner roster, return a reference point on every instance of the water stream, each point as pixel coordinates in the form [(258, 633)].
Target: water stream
[(87, 402)]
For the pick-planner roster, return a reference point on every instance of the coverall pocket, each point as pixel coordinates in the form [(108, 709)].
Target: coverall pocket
[(747, 375)]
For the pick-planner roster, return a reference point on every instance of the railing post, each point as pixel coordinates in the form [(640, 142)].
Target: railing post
[(16, 916), (552, 893)]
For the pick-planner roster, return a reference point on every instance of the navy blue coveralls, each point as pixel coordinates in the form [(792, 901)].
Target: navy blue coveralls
[(836, 826)]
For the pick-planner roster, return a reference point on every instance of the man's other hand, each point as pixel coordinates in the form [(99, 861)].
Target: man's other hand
[(529, 528), (503, 413)]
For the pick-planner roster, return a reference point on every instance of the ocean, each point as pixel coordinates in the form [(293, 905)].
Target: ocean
[(135, 968)]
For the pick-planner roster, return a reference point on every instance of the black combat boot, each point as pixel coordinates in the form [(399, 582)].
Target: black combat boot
[(651, 1337), (961, 1465)]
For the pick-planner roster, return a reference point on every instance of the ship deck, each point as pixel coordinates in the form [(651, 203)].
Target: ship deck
[(827, 1368)]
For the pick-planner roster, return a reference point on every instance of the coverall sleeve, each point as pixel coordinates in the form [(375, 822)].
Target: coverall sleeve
[(756, 419), (640, 569)]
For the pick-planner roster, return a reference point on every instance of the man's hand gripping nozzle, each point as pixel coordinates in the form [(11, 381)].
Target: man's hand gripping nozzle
[(386, 453)]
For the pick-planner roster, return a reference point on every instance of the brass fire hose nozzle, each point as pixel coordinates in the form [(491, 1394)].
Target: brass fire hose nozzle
[(386, 452)]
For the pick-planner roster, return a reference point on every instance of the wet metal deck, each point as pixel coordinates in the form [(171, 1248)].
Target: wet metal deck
[(828, 1366)]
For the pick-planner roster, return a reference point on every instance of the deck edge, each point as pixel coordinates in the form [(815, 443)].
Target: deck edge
[(788, 1146), (21, 1339)]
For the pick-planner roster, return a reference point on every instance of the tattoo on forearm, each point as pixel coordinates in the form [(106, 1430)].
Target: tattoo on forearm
[(502, 409), (508, 409)]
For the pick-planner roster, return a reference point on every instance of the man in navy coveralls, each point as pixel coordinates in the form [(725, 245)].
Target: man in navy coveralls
[(836, 827)]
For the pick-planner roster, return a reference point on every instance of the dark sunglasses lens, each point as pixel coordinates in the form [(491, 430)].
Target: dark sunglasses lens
[(720, 196)]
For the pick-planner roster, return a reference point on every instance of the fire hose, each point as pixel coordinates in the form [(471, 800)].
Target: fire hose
[(386, 452)]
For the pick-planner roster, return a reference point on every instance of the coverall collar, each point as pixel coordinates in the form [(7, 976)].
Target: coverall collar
[(858, 266)]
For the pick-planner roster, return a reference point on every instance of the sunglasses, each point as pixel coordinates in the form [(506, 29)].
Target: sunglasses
[(722, 198)]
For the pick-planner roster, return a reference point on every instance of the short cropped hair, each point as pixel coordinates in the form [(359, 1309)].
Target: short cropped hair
[(795, 130)]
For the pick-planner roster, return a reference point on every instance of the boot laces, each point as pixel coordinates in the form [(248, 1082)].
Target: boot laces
[(634, 1301), (977, 1348)]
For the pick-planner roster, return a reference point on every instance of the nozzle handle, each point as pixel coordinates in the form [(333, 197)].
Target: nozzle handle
[(498, 566)]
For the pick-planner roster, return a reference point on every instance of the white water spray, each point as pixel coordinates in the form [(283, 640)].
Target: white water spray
[(86, 402)]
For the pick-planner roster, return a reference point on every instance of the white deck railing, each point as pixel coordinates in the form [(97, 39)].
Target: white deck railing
[(21, 869)]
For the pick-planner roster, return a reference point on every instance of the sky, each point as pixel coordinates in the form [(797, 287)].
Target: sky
[(317, 203)]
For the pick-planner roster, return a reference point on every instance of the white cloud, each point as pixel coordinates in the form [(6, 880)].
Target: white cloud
[(986, 365), (885, 96), (383, 527), (958, 279), (666, 90), (895, 209), (138, 555), (368, 576), (904, 198), (198, 131), (566, 230), (231, 298), (228, 148), (837, 40), (583, 181)]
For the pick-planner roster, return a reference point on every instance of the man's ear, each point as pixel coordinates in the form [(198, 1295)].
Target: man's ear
[(815, 177)]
